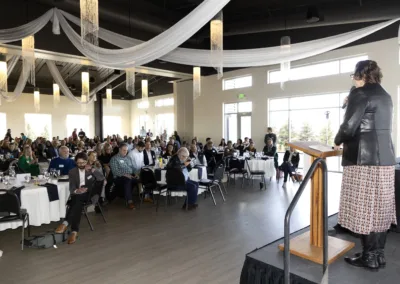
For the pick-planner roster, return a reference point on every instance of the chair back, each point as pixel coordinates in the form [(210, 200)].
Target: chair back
[(219, 172), (9, 203), (175, 178), (14, 163), (148, 178), (234, 163)]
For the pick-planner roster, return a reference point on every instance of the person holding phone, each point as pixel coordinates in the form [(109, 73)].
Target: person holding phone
[(81, 180)]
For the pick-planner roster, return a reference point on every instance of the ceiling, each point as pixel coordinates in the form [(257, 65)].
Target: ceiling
[(247, 24)]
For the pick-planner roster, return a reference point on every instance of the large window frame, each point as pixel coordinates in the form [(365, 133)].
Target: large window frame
[(112, 125), (238, 82), (34, 123), (236, 114), (291, 110), (318, 69)]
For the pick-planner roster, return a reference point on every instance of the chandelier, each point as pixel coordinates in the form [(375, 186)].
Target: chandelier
[(109, 95), (3, 75), (196, 82), (89, 22), (85, 90), (36, 99), (285, 65), (56, 95), (130, 80), (145, 91), (216, 43), (28, 56)]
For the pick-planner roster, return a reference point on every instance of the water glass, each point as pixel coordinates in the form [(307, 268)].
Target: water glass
[(27, 178), (6, 181)]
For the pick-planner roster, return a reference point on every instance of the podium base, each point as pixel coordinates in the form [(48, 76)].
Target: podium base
[(301, 247)]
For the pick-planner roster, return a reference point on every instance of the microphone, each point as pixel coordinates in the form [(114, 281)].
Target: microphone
[(345, 104)]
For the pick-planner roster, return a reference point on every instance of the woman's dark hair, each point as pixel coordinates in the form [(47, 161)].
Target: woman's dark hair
[(240, 140), (369, 71)]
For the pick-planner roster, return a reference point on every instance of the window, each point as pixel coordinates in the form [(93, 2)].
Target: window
[(237, 83), (3, 125), (307, 118), (318, 69), (143, 105), (143, 121), (38, 125), (164, 121), (78, 122), (237, 120), (112, 125), (164, 102)]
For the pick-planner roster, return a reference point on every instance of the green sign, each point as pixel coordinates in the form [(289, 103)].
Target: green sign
[(241, 96)]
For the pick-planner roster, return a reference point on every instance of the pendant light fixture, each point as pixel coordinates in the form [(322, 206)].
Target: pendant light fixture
[(130, 80), (109, 95), (56, 95), (28, 57), (216, 43), (85, 90), (145, 91), (285, 51), (36, 99), (89, 22), (196, 82), (3, 75)]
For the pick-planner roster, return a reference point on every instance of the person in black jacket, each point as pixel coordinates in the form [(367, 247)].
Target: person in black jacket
[(270, 151), (271, 135), (290, 163), (367, 199), (149, 156), (181, 161)]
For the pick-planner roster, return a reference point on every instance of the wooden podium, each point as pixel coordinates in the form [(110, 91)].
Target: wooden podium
[(309, 245)]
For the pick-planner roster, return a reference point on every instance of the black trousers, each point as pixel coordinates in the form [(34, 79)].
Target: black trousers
[(287, 170), (74, 213)]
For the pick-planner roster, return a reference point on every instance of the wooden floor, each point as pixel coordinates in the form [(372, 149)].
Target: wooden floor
[(203, 246)]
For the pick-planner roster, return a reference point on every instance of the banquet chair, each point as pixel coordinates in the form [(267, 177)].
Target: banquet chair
[(253, 174), (235, 167), (93, 200), (215, 181), (175, 183), (149, 183), (10, 204)]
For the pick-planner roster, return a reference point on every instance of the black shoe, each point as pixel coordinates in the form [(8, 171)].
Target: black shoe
[(368, 260), (261, 185)]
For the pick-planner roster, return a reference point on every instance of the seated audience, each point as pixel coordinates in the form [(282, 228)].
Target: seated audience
[(251, 148), (149, 156), (239, 146), (271, 135), (246, 142), (63, 162), (130, 144), (137, 157), (94, 163), (198, 159), (169, 152), (98, 149), (175, 143), (270, 151), (157, 142), (81, 181), (290, 163), (180, 161), (229, 150), (222, 143), (105, 157), (13, 150), (210, 153), (5, 147), (51, 150), (124, 173), (28, 163), (177, 137), (81, 147)]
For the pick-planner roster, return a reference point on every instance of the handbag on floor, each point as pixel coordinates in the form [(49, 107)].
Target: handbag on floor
[(46, 240)]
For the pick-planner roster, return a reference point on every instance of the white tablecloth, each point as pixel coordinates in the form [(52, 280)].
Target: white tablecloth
[(193, 175), (262, 165), (41, 211)]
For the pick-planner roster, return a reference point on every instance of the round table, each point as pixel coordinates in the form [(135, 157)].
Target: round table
[(262, 165)]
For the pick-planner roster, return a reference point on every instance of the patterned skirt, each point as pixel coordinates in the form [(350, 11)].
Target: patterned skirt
[(367, 200)]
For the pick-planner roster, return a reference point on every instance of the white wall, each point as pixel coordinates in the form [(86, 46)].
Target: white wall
[(151, 113), (15, 113), (184, 118), (208, 108)]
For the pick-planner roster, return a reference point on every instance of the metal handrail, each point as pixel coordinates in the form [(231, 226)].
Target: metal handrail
[(325, 216)]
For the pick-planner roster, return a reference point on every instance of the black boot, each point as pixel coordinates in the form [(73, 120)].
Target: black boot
[(381, 241), (368, 259)]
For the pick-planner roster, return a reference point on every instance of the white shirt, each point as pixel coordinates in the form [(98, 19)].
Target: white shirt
[(137, 159), (82, 177), (149, 156), (130, 146)]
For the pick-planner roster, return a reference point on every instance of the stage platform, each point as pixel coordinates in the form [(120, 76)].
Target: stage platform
[(265, 265)]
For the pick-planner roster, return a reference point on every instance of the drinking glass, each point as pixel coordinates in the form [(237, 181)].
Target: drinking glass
[(6, 181), (27, 178), (47, 176)]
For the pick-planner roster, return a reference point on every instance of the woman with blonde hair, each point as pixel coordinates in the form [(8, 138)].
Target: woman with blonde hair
[(28, 163)]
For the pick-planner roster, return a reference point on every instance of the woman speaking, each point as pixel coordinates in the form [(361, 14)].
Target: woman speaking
[(367, 201)]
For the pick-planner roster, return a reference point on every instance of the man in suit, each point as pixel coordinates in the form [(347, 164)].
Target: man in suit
[(81, 182), (149, 156)]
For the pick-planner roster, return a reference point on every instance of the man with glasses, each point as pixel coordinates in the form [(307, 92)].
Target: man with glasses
[(81, 181), (124, 173), (181, 161)]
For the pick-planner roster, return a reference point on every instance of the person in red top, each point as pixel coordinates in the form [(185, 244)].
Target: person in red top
[(74, 135)]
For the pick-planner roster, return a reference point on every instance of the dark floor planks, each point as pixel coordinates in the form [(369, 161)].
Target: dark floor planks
[(168, 247)]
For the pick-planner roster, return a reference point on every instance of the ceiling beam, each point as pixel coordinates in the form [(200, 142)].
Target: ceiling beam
[(68, 58)]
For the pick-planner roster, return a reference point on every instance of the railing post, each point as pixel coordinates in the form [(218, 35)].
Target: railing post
[(325, 217)]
